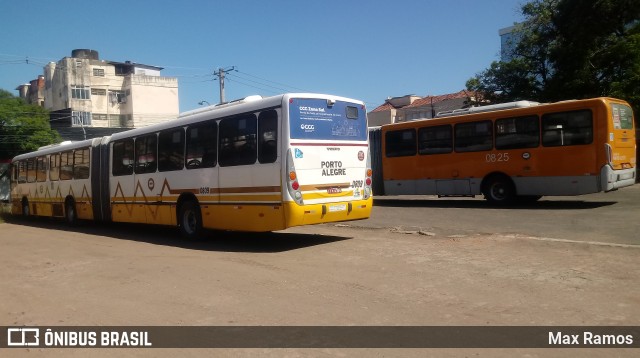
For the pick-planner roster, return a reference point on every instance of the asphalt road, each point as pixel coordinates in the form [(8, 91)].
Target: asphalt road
[(612, 217)]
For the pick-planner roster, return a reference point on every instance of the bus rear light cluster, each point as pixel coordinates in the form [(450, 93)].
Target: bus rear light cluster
[(609, 152), (293, 186), (368, 181)]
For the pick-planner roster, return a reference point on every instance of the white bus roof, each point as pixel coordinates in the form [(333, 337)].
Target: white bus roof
[(247, 104)]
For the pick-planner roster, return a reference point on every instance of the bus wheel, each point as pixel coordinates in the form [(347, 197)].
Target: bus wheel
[(70, 214), (190, 220), (499, 190), (25, 207)]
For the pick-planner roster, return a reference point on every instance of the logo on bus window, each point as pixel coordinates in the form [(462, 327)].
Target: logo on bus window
[(298, 153), (307, 127)]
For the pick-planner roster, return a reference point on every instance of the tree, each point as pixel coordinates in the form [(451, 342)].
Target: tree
[(23, 127), (570, 49)]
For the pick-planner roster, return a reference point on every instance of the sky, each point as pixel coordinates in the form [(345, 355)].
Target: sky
[(367, 50)]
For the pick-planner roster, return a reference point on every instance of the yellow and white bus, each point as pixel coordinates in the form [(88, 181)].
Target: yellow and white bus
[(507, 152), (258, 164)]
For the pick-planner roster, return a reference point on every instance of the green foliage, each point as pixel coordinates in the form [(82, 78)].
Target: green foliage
[(570, 49), (23, 127)]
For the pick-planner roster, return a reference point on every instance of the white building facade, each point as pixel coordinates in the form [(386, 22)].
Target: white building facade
[(83, 90)]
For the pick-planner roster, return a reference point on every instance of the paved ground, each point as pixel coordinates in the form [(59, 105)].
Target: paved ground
[(388, 270), (612, 217), (362, 277)]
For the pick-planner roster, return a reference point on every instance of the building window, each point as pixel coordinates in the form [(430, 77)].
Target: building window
[(120, 120), (98, 117), (117, 97), (98, 72), (81, 118), (80, 92)]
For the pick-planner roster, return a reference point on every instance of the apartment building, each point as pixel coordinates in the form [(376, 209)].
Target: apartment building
[(84, 91)]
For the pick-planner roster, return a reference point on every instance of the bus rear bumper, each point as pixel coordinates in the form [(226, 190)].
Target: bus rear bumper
[(611, 179), (297, 215)]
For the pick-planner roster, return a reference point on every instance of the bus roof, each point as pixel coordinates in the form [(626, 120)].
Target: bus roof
[(56, 148), (248, 104)]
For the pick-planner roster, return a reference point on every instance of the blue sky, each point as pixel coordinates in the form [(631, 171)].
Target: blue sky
[(368, 50)]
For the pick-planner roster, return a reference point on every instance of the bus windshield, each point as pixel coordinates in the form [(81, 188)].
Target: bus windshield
[(327, 120)]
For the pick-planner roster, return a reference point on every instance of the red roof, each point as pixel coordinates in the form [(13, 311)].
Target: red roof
[(425, 101), (428, 100)]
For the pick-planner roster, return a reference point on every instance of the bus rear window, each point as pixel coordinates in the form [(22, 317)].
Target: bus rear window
[(329, 120), (622, 116)]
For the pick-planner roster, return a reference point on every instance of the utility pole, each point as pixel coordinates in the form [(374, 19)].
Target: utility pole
[(220, 73)]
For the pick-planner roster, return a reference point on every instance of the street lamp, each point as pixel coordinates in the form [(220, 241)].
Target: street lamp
[(203, 102)]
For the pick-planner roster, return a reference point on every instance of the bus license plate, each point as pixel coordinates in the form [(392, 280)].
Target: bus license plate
[(339, 207)]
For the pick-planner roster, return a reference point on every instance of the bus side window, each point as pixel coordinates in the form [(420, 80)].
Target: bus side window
[(66, 165), (268, 136), (54, 167), (238, 140), (81, 163), (435, 140), (202, 147), (122, 163), (474, 136), (31, 170), (146, 154), (171, 150), (41, 169), (22, 171), (517, 132), (567, 128), (400, 143)]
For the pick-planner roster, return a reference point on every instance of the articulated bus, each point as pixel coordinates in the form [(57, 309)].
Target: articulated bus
[(258, 164), (508, 152)]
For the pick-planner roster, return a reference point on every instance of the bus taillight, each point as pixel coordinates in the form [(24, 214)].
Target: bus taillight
[(609, 152), (292, 183), (367, 181)]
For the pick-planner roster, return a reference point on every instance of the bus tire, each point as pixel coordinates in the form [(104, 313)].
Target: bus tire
[(25, 208), (70, 213), (499, 189), (190, 220)]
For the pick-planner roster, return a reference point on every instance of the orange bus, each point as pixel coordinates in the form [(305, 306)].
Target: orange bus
[(517, 151)]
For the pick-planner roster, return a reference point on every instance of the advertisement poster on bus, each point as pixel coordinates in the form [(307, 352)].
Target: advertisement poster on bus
[(324, 120)]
